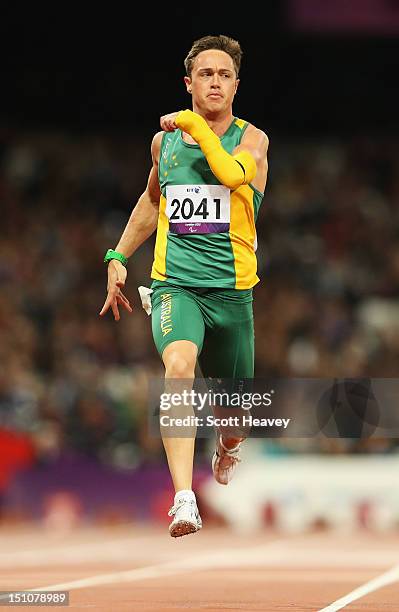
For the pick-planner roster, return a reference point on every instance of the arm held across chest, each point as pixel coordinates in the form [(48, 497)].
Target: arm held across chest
[(231, 170)]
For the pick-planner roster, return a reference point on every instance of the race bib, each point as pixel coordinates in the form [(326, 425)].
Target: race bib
[(198, 209)]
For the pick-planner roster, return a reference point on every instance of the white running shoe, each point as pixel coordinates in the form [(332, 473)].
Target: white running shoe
[(224, 462), (186, 516)]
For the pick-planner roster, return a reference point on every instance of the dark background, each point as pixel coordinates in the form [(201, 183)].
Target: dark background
[(119, 68)]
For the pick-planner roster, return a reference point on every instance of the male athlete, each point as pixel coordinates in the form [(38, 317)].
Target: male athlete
[(203, 195)]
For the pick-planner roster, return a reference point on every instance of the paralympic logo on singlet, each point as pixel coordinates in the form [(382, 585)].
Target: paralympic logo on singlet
[(166, 314)]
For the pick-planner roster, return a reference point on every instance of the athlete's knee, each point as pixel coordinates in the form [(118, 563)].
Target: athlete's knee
[(179, 366), (179, 359)]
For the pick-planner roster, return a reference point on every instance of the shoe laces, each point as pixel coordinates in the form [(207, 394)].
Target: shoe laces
[(232, 453), (234, 458), (178, 505)]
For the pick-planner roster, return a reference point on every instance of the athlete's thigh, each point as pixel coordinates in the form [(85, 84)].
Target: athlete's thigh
[(175, 316), (228, 350)]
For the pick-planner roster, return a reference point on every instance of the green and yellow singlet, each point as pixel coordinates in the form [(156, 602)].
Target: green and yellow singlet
[(206, 234)]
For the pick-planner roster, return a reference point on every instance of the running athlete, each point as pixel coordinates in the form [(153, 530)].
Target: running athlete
[(203, 196)]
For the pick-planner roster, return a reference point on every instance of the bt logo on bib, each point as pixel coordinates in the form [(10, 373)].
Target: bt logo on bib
[(206, 210)]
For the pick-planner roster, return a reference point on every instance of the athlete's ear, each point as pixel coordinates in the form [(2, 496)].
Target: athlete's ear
[(237, 84), (187, 81)]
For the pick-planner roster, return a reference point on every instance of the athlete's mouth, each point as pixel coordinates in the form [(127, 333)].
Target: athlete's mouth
[(215, 95)]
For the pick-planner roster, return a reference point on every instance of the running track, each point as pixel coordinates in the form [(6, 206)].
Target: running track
[(142, 568)]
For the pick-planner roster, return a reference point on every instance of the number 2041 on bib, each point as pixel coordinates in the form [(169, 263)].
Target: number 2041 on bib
[(198, 209)]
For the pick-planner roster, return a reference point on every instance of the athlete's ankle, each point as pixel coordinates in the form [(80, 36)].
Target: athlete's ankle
[(230, 443), (188, 493)]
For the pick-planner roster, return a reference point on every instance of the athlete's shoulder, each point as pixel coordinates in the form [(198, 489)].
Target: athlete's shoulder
[(156, 145), (255, 133), (157, 140)]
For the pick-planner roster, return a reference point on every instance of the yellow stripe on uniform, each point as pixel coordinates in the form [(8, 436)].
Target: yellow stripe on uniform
[(240, 123), (159, 266), (242, 237)]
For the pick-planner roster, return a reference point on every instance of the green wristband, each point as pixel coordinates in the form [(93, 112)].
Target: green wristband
[(111, 254)]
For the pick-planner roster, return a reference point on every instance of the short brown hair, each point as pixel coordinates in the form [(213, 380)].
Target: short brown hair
[(223, 43)]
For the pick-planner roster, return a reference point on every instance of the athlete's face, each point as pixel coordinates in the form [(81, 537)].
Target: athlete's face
[(213, 81)]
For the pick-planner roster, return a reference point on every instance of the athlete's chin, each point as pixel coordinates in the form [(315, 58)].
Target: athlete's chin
[(215, 104)]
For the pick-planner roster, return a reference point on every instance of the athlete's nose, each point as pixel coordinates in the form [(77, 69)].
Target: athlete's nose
[(215, 81)]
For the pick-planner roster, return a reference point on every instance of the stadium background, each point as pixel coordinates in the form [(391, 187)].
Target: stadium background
[(81, 100)]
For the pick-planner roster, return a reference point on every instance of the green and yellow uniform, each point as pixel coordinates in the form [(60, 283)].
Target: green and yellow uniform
[(204, 254)]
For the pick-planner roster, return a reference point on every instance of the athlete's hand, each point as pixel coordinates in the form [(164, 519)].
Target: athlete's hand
[(117, 274), (188, 121), (168, 122)]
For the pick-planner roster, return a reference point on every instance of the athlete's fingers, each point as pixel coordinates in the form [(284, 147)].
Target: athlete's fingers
[(168, 122), (107, 304), (104, 309), (124, 302), (115, 310), (127, 307), (171, 125), (167, 127), (112, 290), (122, 297), (112, 293), (116, 280)]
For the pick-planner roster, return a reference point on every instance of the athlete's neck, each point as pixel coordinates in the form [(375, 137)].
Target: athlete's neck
[(219, 123), (219, 126)]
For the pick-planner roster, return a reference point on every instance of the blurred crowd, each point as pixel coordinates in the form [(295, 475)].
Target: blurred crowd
[(327, 304)]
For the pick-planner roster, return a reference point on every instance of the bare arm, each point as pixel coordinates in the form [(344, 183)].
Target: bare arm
[(257, 143), (142, 223), (144, 217)]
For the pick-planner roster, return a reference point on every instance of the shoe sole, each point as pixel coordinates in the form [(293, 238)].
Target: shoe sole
[(183, 528)]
